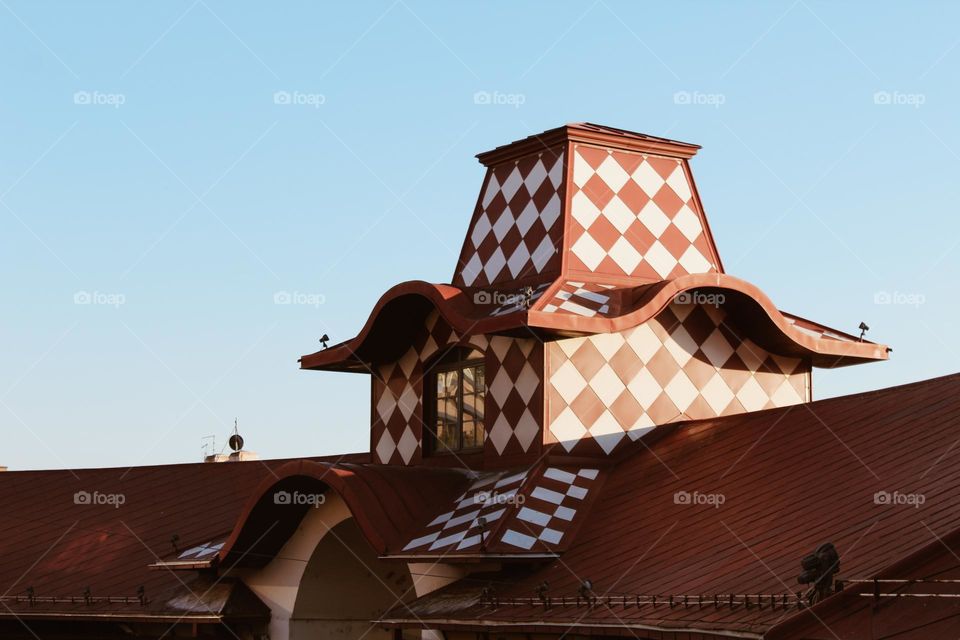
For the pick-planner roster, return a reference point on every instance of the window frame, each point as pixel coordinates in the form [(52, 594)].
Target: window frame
[(459, 360)]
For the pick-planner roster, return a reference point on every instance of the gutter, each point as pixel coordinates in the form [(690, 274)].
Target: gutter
[(553, 626)]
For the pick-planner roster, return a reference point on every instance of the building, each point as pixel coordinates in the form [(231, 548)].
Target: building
[(592, 431)]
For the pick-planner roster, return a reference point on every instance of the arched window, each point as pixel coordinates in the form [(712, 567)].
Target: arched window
[(454, 402)]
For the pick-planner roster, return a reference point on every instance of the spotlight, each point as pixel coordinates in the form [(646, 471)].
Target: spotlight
[(324, 339), (863, 330)]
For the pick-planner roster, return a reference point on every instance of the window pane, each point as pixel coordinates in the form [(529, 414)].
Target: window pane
[(469, 433), (459, 408)]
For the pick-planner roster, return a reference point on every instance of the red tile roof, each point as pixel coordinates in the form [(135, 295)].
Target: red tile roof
[(731, 505), (67, 531)]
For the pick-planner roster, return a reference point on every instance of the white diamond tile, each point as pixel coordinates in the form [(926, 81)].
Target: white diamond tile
[(583, 210), (694, 262), (625, 255), (408, 445), (717, 393), (607, 432), (655, 220), (688, 223), (717, 348), (607, 385), (785, 395), (568, 381), (648, 179), (567, 429), (619, 214), (511, 184), (678, 182), (660, 259), (681, 345), (385, 447), (681, 391), (644, 342), (589, 251), (645, 388), (752, 396)]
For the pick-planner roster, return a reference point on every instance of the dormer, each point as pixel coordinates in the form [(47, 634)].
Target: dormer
[(589, 305)]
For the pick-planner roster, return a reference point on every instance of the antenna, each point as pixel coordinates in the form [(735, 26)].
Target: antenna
[(208, 446), (236, 440)]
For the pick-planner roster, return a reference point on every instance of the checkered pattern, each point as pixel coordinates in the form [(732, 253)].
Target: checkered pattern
[(549, 509), (636, 215), (460, 529), (516, 231), (513, 407), (586, 299), (202, 551), (687, 363), (397, 415)]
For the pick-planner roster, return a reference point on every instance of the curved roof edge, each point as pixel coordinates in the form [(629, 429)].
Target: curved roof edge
[(400, 310), (384, 505)]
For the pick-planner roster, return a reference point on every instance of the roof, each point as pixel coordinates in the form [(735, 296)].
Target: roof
[(83, 542), (589, 133), (731, 505), (578, 230), (518, 513), (563, 308)]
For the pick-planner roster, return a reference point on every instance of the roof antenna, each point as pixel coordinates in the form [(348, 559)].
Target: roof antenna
[(208, 446), (324, 339), (236, 440), (863, 330)]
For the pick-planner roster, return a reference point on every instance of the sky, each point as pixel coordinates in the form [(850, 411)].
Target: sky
[(192, 192)]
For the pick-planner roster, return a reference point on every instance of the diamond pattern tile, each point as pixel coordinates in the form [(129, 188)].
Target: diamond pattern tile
[(460, 528), (517, 229), (549, 509), (397, 428), (687, 363), (512, 410), (635, 215), (581, 298)]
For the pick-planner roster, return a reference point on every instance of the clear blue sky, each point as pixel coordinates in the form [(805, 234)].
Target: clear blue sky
[(146, 162)]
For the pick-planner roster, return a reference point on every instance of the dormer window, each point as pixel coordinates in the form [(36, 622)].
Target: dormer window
[(455, 402)]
